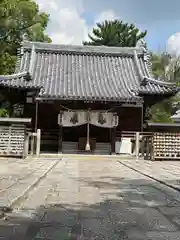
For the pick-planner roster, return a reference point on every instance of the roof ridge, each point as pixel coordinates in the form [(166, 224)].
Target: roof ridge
[(147, 59), (11, 76), (42, 46), (32, 59), (135, 57), (19, 57), (160, 82)]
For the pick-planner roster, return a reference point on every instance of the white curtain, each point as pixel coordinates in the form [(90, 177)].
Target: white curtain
[(97, 118), (72, 118), (103, 119)]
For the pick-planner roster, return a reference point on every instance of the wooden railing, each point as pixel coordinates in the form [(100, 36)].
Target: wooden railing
[(166, 146), (33, 142), (141, 141), (12, 140), (155, 145), (148, 145), (12, 136)]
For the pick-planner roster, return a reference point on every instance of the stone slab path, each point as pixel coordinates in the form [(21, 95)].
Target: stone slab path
[(16, 175), (165, 171), (95, 199)]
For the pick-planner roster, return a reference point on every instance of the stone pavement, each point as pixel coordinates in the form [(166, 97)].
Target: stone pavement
[(167, 172), (95, 199), (16, 175)]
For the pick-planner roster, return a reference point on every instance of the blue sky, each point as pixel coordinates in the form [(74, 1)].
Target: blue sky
[(71, 20)]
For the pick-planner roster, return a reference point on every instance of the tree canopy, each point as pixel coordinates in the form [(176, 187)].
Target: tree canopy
[(159, 64), (165, 67), (19, 19), (115, 33)]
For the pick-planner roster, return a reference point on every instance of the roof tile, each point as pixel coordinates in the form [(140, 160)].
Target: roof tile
[(86, 72)]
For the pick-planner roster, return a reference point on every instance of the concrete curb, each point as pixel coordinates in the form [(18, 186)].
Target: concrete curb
[(82, 156), (29, 188), (149, 176)]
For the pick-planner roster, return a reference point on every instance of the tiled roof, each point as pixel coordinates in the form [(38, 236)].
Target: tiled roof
[(17, 80), (86, 72)]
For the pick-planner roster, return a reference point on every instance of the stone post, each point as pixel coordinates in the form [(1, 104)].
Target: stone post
[(38, 142), (137, 145)]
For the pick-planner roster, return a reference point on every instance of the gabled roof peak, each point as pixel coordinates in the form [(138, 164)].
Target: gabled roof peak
[(49, 47)]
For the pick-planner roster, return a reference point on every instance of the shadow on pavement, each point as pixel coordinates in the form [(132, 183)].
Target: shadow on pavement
[(135, 210)]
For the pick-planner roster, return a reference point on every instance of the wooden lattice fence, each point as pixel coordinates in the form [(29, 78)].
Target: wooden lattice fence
[(166, 146), (12, 136)]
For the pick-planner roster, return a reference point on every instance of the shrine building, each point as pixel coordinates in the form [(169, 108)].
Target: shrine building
[(82, 97)]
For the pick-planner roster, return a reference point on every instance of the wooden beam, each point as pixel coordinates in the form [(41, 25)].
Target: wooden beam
[(132, 105)]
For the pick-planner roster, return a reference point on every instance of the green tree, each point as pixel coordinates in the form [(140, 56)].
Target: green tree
[(162, 112), (159, 64), (165, 67), (115, 33), (19, 20), (173, 69)]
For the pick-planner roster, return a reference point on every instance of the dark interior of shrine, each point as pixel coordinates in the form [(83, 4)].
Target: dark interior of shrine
[(52, 135)]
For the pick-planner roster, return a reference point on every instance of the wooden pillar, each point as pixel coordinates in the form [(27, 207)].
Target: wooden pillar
[(26, 145), (113, 140), (60, 139), (137, 145), (142, 117), (38, 142), (36, 117), (32, 145), (60, 133)]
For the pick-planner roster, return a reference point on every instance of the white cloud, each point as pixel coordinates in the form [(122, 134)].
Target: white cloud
[(61, 38), (67, 26), (43, 5), (72, 28), (58, 4), (105, 15), (173, 44)]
